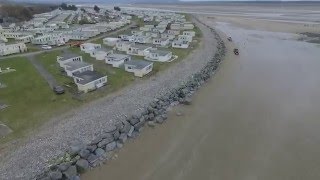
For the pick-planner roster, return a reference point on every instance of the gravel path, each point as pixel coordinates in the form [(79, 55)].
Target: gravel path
[(85, 123), (42, 71)]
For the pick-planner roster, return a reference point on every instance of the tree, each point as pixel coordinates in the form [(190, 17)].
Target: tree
[(96, 8), (64, 6), (117, 8)]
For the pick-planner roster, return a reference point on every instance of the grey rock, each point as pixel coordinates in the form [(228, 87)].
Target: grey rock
[(70, 172), (133, 121), (110, 129), (139, 125), (151, 117), (159, 119), (92, 158), (91, 148), (84, 153), (111, 146), (164, 116), (119, 145), (187, 101), (55, 175), (64, 166), (82, 165), (75, 178), (45, 178), (76, 147), (105, 141), (151, 124), (116, 135), (123, 138), (131, 131), (99, 152), (126, 128)]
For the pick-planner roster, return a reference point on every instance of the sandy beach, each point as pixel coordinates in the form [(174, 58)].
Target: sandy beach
[(256, 119)]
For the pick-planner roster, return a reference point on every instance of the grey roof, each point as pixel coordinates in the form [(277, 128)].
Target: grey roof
[(67, 56), (139, 64), (103, 49), (140, 46), (88, 76), (118, 56), (76, 65), (160, 52)]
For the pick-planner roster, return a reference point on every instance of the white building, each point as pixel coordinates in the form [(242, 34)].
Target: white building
[(109, 41), (116, 60), (77, 67), (180, 44), (138, 67), (161, 42), (185, 38), (189, 33), (124, 45), (100, 53), (12, 49), (89, 80), (88, 47), (66, 58), (159, 55), (138, 50)]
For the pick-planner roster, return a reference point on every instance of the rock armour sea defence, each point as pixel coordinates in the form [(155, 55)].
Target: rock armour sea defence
[(82, 157)]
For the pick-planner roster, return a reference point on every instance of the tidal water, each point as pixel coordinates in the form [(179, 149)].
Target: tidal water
[(257, 119)]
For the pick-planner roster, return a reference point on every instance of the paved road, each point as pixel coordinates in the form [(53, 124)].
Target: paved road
[(42, 71)]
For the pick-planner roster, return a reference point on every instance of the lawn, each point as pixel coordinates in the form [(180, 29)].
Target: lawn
[(30, 98)]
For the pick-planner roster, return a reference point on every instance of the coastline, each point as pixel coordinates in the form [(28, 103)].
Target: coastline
[(45, 146)]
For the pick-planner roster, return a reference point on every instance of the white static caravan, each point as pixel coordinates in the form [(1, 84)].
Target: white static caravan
[(116, 60)]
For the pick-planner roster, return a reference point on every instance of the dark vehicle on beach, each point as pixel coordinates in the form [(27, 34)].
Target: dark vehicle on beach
[(58, 89), (229, 39), (236, 51)]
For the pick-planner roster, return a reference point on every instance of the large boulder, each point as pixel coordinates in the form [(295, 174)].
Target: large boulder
[(91, 148), (84, 153), (70, 172), (111, 146), (131, 131), (99, 152), (55, 175), (92, 158), (76, 147), (123, 138), (126, 128), (82, 165), (64, 166), (105, 141), (133, 121)]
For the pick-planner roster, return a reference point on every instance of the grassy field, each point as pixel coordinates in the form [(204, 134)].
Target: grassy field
[(30, 98)]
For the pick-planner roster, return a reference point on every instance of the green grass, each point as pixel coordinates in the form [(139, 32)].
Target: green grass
[(32, 47), (30, 98)]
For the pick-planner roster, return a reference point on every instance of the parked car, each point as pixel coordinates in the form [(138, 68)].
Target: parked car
[(58, 89), (46, 47)]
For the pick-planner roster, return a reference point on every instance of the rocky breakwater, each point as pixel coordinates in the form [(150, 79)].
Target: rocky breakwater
[(81, 157)]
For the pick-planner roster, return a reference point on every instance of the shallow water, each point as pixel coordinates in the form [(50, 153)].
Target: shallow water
[(258, 118)]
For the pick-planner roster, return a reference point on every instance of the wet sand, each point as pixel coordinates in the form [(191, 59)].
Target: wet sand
[(258, 118)]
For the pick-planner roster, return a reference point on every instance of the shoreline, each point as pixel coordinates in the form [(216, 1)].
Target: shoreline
[(39, 149)]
